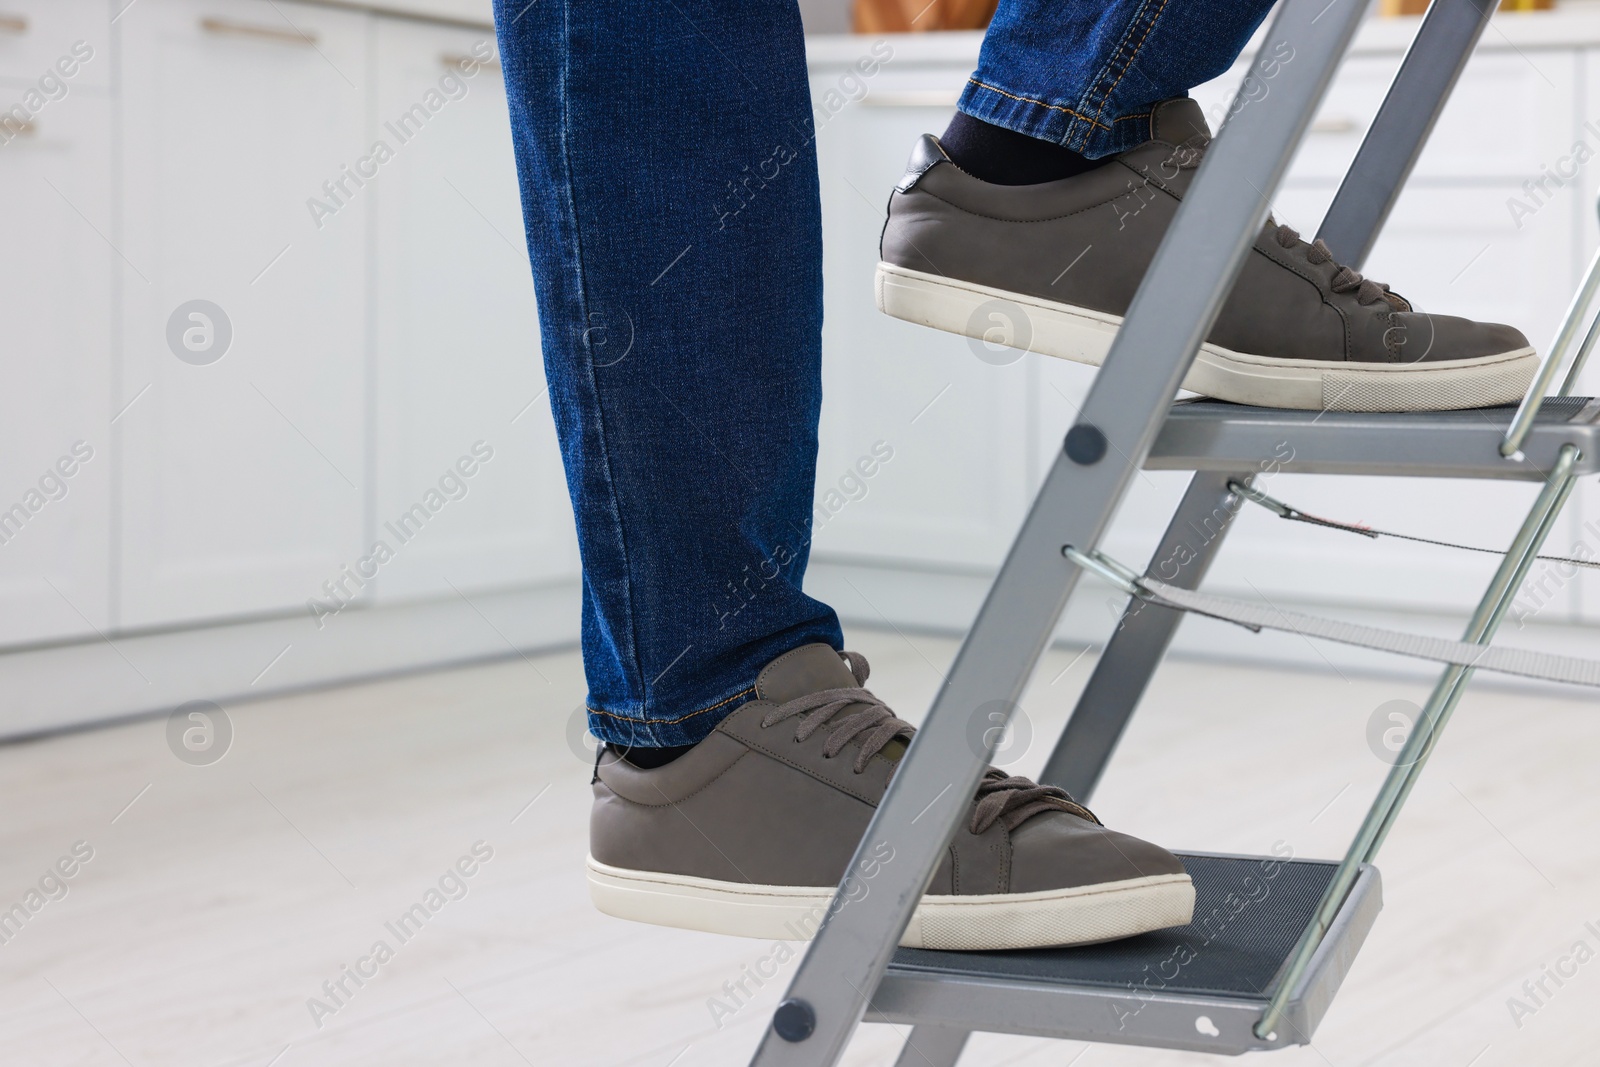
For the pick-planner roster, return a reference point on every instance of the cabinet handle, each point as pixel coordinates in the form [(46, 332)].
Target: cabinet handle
[(456, 60), (264, 33), (13, 24), (1337, 124), (913, 98)]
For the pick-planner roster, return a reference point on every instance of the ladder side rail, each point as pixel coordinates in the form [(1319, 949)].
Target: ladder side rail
[(1170, 315)]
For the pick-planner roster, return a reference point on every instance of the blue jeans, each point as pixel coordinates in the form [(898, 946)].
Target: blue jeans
[(669, 189)]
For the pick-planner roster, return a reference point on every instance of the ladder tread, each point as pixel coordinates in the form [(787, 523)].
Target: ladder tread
[(1169, 988), (1214, 435)]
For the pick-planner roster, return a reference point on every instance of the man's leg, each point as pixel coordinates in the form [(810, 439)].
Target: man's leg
[(670, 193), (669, 188)]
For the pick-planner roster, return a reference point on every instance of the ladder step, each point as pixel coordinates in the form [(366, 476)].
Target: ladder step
[(1201, 987), (1215, 436)]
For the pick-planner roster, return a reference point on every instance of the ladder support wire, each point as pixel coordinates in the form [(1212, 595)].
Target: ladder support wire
[(1256, 617), (1524, 662), (1294, 514)]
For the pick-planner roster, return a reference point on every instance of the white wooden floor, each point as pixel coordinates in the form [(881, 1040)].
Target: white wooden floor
[(219, 899)]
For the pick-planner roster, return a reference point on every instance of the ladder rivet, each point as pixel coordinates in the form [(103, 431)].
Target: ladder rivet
[(794, 1020), (1086, 445)]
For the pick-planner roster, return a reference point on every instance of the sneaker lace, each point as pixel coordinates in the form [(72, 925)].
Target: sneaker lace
[(1188, 156), (1346, 279), (1012, 799)]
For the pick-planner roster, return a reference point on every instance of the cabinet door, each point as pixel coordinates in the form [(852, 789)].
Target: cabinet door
[(953, 415), (457, 354), (244, 437), (37, 39), (1510, 117), (55, 372)]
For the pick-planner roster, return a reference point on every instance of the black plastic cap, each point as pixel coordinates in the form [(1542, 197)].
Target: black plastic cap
[(794, 1020), (1086, 445)]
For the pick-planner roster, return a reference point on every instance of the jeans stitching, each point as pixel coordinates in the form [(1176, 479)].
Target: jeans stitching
[(597, 413), (1041, 103), (1129, 65), (1111, 65), (668, 722)]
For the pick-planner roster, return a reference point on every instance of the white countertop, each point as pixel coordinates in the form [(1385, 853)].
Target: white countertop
[(1577, 24), (464, 12)]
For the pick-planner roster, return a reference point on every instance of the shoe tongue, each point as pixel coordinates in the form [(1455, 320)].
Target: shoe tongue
[(1175, 121), (807, 669)]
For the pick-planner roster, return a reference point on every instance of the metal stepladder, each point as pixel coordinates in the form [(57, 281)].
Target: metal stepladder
[(1273, 937)]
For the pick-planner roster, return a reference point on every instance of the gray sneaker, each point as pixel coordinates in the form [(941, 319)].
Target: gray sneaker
[(1052, 268), (749, 832)]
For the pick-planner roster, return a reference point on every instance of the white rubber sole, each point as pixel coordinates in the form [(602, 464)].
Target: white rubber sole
[(1084, 336), (959, 923)]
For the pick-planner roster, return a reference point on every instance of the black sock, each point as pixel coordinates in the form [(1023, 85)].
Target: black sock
[(1005, 157), (651, 758)]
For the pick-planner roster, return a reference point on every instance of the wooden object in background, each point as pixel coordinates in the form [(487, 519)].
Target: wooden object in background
[(911, 16), (1417, 7)]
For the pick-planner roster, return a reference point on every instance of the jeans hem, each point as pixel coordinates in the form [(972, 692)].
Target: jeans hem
[(634, 730), (1062, 125)]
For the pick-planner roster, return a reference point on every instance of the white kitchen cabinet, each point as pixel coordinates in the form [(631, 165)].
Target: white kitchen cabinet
[(957, 427), (1473, 138), (55, 384), (244, 479), (456, 334), (37, 39)]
